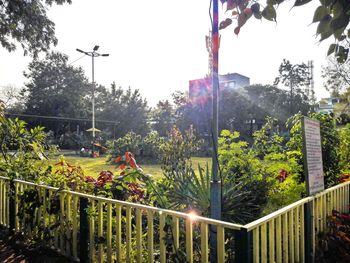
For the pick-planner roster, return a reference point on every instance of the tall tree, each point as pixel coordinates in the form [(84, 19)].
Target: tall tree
[(26, 22), (336, 76), (163, 117), (184, 110), (294, 77), (56, 89), (337, 82), (126, 108)]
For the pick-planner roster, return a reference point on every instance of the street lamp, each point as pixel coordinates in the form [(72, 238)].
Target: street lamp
[(93, 54)]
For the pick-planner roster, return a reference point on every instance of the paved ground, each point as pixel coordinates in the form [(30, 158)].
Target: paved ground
[(8, 255), (21, 254)]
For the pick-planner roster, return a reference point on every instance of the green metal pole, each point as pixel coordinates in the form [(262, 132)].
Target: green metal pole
[(215, 189), (84, 231)]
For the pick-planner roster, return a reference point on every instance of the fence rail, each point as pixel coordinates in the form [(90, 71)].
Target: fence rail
[(89, 228)]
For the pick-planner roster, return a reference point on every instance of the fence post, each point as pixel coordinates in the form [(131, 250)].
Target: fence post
[(243, 246), (308, 233), (12, 206), (84, 231)]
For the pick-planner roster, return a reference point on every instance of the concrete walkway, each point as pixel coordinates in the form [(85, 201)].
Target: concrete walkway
[(8, 255)]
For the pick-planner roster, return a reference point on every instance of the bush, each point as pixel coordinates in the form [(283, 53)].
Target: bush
[(330, 141), (334, 245), (344, 148), (145, 149)]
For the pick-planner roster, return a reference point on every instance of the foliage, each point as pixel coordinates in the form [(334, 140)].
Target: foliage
[(26, 22), (332, 17), (344, 148), (329, 142), (163, 118), (66, 176), (336, 76), (20, 147), (245, 110), (266, 140), (55, 88), (127, 109), (243, 180), (280, 166), (177, 150), (334, 244), (294, 77), (131, 142), (146, 148)]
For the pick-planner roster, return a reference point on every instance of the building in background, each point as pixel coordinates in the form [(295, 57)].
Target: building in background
[(200, 89)]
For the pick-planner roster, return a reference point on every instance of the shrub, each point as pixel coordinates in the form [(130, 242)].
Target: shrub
[(145, 149), (334, 245), (330, 144), (344, 148)]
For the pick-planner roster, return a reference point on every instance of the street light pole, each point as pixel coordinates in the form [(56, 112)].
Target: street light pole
[(93, 54)]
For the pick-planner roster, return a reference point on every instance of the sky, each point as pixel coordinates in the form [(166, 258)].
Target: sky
[(157, 46)]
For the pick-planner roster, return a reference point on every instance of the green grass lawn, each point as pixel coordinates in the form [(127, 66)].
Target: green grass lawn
[(93, 166)]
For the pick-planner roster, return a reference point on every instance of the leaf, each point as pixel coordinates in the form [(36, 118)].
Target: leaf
[(320, 13), (269, 13), (257, 15), (339, 22), (326, 2), (301, 2), (255, 8), (325, 35), (225, 23), (324, 25), (331, 49), (337, 9), (339, 33), (271, 2), (231, 4), (241, 19)]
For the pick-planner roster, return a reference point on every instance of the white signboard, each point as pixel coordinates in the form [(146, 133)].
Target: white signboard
[(313, 156)]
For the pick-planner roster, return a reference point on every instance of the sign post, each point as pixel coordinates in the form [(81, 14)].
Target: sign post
[(314, 177), (312, 152)]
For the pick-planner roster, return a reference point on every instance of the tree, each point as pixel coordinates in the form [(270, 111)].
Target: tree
[(294, 77), (337, 77), (26, 22), (163, 118), (126, 108), (337, 82), (332, 17), (56, 89)]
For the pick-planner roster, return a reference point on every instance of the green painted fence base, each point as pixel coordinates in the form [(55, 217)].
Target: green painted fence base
[(84, 231), (12, 207), (243, 246), (309, 253)]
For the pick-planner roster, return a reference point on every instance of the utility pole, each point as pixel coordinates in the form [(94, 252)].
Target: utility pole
[(93, 54), (215, 186)]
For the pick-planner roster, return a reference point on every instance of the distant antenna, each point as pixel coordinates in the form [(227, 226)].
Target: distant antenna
[(209, 45), (310, 91)]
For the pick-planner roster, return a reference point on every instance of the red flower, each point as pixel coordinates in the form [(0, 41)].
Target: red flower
[(133, 163), (128, 156), (105, 176), (89, 179), (283, 174), (118, 159)]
